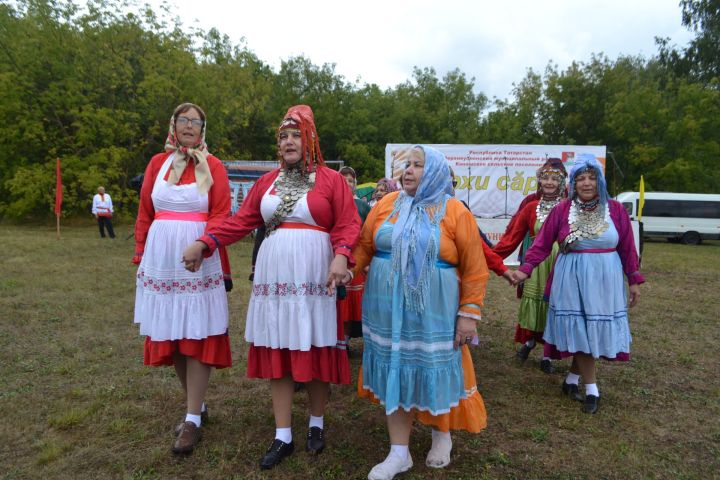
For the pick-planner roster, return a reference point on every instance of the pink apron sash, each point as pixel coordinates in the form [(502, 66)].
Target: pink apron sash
[(186, 216)]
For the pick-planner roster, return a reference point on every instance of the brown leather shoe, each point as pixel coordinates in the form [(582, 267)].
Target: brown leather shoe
[(188, 439), (204, 418)]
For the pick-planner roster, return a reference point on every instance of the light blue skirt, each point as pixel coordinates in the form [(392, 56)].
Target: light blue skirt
[(588, 301), (408, 360)]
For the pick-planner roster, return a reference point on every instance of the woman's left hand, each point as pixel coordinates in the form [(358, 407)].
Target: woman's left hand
[(634, 294), (338, 270), (465, 331), (192, 257)]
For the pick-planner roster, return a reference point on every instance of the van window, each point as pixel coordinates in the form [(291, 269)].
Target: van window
[(681, 208), (628, 208)]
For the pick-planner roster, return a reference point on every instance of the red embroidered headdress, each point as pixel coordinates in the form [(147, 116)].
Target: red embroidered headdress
[(300, 117)]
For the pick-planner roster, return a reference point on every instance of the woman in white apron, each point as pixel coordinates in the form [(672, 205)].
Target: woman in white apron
[(183, 315)]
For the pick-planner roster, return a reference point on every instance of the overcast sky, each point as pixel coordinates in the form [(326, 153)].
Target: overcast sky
[(380, 42)]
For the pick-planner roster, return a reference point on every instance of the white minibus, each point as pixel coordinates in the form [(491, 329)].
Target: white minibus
[(685, 217)]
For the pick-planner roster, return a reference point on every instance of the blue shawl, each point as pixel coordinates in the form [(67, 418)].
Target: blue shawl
[(415, 236)]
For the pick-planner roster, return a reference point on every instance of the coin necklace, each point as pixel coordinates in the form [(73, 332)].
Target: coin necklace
[(588, 220), (291, 185), (542, 210)]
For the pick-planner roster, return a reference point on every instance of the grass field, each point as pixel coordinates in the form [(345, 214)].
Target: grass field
[(77, 402)]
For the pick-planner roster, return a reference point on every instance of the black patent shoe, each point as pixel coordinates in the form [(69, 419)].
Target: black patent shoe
[(572, 390), (591, 404), (315, 440), (523, 353), (274, 455), (547, 366)]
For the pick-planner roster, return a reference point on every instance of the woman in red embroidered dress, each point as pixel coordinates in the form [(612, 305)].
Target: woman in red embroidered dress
[(532, 313), (292, 326), (183, 315)]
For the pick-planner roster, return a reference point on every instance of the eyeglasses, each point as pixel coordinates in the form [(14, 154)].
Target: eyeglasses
[(196, 122)]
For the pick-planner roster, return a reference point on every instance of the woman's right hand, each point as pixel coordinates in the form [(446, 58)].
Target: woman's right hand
[(518, 277), (193, 256)]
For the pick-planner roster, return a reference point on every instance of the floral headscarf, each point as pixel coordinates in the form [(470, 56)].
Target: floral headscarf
[(389, 183), (415, 239), (198, 152)]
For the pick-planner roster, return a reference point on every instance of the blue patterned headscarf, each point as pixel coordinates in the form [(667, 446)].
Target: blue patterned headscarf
[(415, 237), (583, 163)]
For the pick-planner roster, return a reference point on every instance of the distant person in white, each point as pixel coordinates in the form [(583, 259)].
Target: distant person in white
[(102, 208)]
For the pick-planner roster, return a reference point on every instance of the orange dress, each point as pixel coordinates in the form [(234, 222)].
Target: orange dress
[(462, 275)]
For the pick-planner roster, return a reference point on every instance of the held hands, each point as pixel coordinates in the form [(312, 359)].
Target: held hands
[(337, 273), (465, 331), (517, 277), (193, 256), (348, 277), (508, 275), (634, 295)]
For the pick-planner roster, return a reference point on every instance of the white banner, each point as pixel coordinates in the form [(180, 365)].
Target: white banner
[(493, 179)]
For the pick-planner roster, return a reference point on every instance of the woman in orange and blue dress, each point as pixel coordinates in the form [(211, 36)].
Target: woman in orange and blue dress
[(418, 319)]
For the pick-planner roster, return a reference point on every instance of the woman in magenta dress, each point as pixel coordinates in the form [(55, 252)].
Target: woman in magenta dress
[(588, 310)]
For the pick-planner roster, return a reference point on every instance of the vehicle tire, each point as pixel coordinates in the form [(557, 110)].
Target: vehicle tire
[(691, 238)]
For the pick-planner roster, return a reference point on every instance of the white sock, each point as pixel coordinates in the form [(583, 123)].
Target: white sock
[(401, 451), (203, 408), (572, 379), (546, 358), (592, 389), (316, 422), (284, 434), (438, 435), (530, 343), (189, 417)]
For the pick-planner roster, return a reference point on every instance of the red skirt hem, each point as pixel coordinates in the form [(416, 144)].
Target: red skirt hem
[(324, 364), (213, 351), (522, 335), (552, 352)]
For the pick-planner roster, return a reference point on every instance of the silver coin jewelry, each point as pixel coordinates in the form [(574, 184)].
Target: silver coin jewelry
[(587, 220), (290, 186)]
